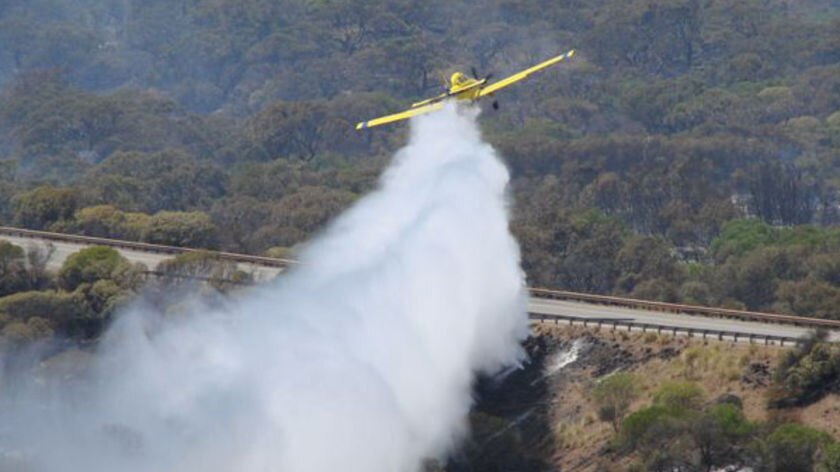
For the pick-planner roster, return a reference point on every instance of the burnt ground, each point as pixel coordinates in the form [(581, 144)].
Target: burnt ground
[(512, 420), (511, 423), (541, 418)]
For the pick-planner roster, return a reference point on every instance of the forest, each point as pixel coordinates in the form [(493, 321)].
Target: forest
[(690, 152)]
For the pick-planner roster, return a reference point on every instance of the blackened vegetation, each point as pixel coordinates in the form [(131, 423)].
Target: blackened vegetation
[(807, 373), (510, 428), (511, 423)]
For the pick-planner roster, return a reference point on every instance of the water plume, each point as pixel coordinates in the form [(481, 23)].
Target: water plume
[(361, 359)]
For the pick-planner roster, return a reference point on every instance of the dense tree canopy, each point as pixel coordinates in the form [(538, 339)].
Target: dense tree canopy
[(688, 152)]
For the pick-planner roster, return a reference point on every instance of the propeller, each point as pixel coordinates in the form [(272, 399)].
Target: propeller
[(486, 78), (476, 77)]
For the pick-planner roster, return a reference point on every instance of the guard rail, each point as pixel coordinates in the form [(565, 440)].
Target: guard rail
[(719, 334), (685, 309), (535, 292), (143, 247)]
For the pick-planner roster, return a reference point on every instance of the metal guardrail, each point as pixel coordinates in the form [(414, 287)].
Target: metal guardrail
[(147, 274), (718, 334), (629, 323), (686, 309), (144, 247), (535, 292)]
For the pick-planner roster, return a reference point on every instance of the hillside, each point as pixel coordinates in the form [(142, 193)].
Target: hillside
[(688, 153), (548, 417)]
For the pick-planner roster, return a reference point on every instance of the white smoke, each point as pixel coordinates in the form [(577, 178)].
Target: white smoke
[(360, 360)]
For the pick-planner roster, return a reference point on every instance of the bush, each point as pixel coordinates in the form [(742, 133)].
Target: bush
[(19, 333), (103, 296), (792, 448), (205, 266), (49, 304), (741, 236), (830, 461), (13, 273), (646, 428), (183, 229), (61, 310), (719, 433), (109, 222), (613, 396), (807, 373), (90, 265), (677, 430), (679, 397), (43, 206)]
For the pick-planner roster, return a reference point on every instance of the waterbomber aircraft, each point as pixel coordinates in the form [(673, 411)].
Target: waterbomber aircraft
[(462, 87)]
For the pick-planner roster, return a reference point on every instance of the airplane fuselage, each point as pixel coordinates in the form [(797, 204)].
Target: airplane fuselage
[(463, 87), (460, 87)]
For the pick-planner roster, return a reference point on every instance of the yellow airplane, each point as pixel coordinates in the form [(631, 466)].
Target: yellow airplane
[(462, 87)]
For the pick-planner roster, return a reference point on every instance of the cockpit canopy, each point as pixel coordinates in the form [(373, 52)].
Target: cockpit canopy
[(457, 79)]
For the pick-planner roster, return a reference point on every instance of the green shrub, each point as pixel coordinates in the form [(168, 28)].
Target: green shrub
[(830, 460), (13, 273), (90, 265), (178, 228), (641, 427), (613, 395), (54, 306), (201, 265), (807, 373), (741, 236), (792, 448), (679, 397)]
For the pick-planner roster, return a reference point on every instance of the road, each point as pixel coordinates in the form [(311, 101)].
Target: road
[(595, 312), (61, 250)]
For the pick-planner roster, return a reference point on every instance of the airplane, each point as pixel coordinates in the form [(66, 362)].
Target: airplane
[(462, 87)]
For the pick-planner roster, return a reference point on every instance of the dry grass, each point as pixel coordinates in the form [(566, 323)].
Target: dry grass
[(574, 435), (824, 415), (716, 366), (698, 363)]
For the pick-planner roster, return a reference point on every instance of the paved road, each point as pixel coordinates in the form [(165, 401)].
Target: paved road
[(61, 250), (585, 310)]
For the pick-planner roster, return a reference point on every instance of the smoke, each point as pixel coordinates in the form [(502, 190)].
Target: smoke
[(360, 360)]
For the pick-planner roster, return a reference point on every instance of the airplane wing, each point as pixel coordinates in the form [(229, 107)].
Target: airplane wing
[(430, 100), (525, 73), (404, 115)]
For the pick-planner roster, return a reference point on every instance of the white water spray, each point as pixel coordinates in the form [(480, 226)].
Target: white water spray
[(360, 360)]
